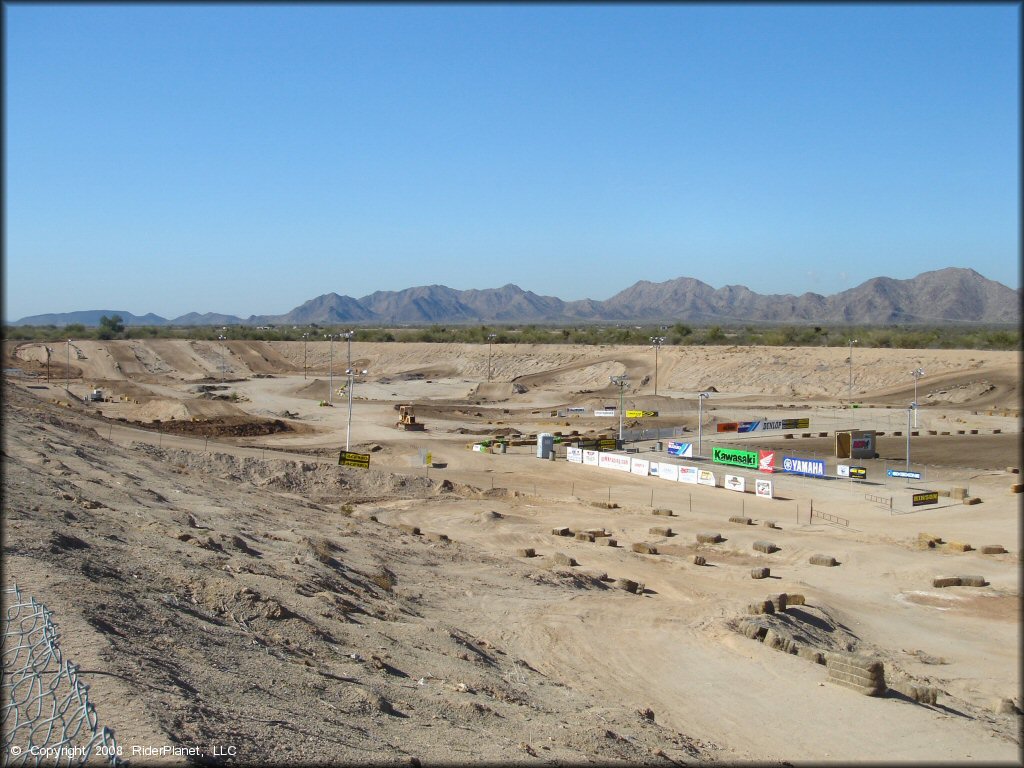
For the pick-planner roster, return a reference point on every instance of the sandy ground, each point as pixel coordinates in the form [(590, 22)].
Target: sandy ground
[(229, 589)]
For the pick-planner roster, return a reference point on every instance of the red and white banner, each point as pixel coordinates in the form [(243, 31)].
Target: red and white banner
[(640, 466), (766, 461), (688, 475), (590, 458), (763, 488), (614, 461)]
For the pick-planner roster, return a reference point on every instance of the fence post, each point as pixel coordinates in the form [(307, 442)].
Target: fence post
[(652, 497)]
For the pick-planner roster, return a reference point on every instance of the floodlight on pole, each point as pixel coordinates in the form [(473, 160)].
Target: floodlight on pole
[(351, 383), (221, 352), (917, 375), (67, 373), (913, 407), (850, 360), (700, 418), (490, 339), (656, 341), (305, 337), (330, 372), (621, 382)]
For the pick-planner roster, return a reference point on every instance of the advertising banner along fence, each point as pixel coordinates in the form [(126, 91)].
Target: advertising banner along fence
[(763, 488), (688, 475), (683, 450), (735, 457), (797, 466), (735, 483)]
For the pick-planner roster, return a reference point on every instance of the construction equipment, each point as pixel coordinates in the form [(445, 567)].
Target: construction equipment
[(407, 421)]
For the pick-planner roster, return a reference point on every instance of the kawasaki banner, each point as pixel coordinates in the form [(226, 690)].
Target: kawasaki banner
[(735, 457)]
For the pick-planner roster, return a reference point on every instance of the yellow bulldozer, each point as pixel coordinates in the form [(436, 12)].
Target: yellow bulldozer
[(407, 421)]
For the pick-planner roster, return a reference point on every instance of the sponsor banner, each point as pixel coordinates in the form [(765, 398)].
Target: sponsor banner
[(858, 473), (729, 426), (748, 426), (734, 456), (640, 466), (350, 459), (683, 450), (763, 488), (903, 473), (688, 475), (574, 455), (842, 470), (590, 458), (668, 471), (613, 461), (655, 466), (576, 409), (607, 444), (640, 414), (786, 424), (706, 477), (930, 497), (479, 447), (798, 466), (735, 483), (605, 412), (766, 461)]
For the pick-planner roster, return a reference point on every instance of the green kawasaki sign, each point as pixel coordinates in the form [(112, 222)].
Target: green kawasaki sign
[(736, 457)]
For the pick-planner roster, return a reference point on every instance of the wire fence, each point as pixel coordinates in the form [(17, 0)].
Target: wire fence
[(47, 716)]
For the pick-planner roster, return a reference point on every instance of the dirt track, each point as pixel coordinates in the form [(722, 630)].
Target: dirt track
[(248, 589)]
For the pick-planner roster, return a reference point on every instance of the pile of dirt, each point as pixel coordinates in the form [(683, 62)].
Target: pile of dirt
[(222, 427)]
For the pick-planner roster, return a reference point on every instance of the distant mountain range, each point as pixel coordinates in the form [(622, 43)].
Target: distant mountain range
[(951, 295)]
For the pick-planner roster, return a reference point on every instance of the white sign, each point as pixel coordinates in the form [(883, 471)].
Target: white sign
[(655, 466), (842, 470), (763, 488), (574, 455), (683, 450), (614, 461), (735, 483), (668, 471), (576, 409), (478, 447), (688, 475), (640, 467), (706, 477), (605, 412), (590, 458)]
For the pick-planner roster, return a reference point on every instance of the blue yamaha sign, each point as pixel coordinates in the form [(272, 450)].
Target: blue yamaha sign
[(797, 466)]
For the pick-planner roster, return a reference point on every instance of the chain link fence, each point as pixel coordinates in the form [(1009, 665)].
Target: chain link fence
[(47, 716)]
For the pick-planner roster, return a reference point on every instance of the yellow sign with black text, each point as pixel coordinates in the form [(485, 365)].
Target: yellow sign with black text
[(640, 414), (350, 459)]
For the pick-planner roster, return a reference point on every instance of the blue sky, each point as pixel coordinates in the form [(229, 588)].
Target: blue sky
[(246, 158)]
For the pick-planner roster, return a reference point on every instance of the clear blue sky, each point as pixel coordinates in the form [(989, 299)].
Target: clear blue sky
[(246, 158)]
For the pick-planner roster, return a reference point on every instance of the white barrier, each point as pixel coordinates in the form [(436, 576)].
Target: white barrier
[(614, 461), (575, 455), (640, 467), (688, 475)]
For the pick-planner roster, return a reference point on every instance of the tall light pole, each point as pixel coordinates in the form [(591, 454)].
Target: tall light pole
[(913, 407), (48, 351), (657, 341), (305, 336), (67, 385), (620, 382), (917, 375), (351, 383), (490, 339), (700, 418), (222, 366), (330, 374), (852, 342)]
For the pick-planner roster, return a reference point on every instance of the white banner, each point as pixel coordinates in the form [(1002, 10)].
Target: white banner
[(842, 470), (614, 461), (668, 471), (763, 488), (574, 455), (590, 458), (688, 475), (603, 412), (640, 467), (683, 450), (735, 483), (706, 477)]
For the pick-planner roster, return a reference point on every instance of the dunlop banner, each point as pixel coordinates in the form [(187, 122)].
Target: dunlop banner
[(931, 497), (350, 459), (735, 457)]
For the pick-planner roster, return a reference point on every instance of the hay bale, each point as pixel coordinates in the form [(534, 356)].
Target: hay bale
[(660, 531), (560, 558), (627, 584), (992, 549), (826, 560), (811, 654), (973, 581), (598, 532), (778, 602), (584, 536), (765, 546), (759, 607), (956, 492), (769, 524), (975, 500), (413, 529), (946, 581), (607, 542), (1017, 488), (760, 573), (644, 548), (699, 560), (561, 532), (860, 673), (665, 512), (1013, 470), (958, 546), (526, 552), (779, 642), (741, 520), (707, 537), (795, 600), (753, 629), (443, 537)]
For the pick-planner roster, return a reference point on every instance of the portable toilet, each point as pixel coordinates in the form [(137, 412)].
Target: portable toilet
[(545, 445)]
